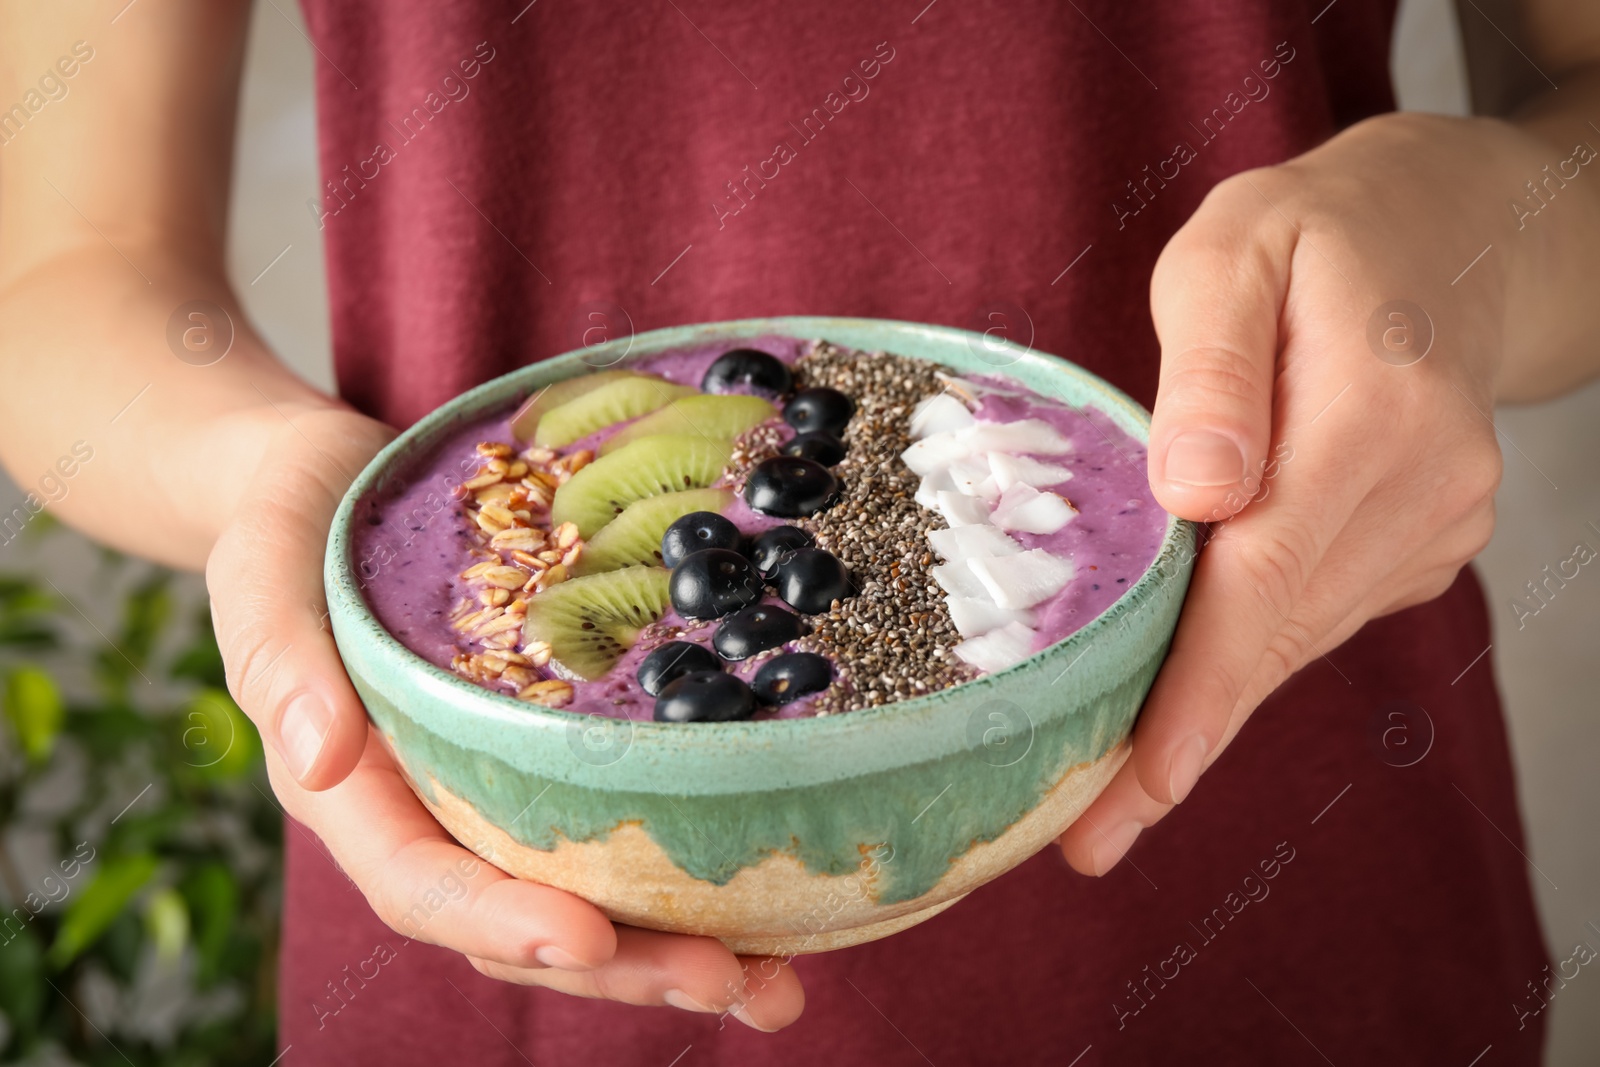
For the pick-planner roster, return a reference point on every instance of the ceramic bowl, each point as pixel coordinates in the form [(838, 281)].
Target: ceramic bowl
[(782, 836)]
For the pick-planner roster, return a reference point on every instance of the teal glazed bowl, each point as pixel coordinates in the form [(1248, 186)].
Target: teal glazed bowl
[(782, 836)]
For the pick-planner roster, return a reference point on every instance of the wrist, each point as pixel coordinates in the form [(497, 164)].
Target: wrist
[(1476, 223), (303, 451)]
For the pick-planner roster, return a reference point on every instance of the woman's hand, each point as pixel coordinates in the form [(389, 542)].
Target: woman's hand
[(1340, 443), (335, 776)]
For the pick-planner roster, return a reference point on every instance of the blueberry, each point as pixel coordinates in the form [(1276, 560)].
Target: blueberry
[(755, 629), (672, 661), (823, 448), (811, 579), (705, 696), (790, 487), (819, 410), (772, 547), (746, 370), (697, 530), (791, 676), (712, 582)]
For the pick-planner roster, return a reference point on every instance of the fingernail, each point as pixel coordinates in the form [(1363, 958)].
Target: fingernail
[(1187, 762), (1113, 845), (301, 730), (1204, 458), (559, 958), (677, 998), (742, 1013)]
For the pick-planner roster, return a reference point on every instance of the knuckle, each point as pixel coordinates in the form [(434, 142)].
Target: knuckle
[(501, 972), (385, 889), (1439, 583), (1279, 567), (495, 911), (1286, 653), (1213, 373), (394, 913), (1481, 537), (247, 664), (1484, 468), (604, 982), (1469, 483), (1248, 187), (1476, 532), (1430, 586)]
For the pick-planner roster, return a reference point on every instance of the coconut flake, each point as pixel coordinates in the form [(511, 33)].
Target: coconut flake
[(1030, 436), (965, 542), (1027, 510), (959, 510), (937, 450), (1021, 580), (941, 413), (1012, 470), (975, 615), (997, 649), (972, 477), (957, 579), (932, 484)]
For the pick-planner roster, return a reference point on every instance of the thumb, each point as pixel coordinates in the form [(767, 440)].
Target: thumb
[(1215, 296), (268, 607)]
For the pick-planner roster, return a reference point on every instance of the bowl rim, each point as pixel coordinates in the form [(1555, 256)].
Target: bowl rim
[(471, 699)]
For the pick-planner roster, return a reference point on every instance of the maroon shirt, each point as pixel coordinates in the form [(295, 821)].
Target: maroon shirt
[(506, 183)]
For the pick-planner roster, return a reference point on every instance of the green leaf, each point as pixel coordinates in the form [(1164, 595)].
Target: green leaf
[(42, 525), (33, 706), (21, 979), (144, 616), (201, 660), (99, 904), (214, 906), (109, 730), (30, 635), (23, 596), (166, 921), (218, 739)]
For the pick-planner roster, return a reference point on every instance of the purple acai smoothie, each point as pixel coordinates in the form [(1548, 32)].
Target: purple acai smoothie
[(973, 521)]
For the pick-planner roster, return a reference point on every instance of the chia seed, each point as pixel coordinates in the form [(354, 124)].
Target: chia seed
[(892, 640)]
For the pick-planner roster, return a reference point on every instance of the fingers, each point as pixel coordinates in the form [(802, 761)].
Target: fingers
[(1357, 582), (691, 973), (267, 603), (1246, 585), (1102, 835), (1215, 296), (427, 887)]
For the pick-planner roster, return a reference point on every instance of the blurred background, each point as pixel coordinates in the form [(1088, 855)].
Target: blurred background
[(139, 844)]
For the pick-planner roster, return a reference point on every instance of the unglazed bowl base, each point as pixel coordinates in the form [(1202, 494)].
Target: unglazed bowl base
[(774, 906), (804, 944)]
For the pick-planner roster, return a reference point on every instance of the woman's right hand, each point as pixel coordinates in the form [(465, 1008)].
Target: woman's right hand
[(334, 774)]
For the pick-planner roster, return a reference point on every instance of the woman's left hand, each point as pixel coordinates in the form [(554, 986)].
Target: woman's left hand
[(1331, 355)]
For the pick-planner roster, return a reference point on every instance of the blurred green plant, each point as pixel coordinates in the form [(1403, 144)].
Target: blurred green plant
[(140, 852)]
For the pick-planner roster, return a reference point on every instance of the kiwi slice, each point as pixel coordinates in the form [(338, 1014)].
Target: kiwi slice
[(712, 416), (660, 463), (634, 537), (552, 396), (614, 401), (590, 622)]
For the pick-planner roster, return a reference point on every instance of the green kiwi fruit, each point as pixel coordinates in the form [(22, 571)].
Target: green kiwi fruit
[(634, 537), (660, 463), (552, 396), (590, 622), (621, 398), (725, 416)]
